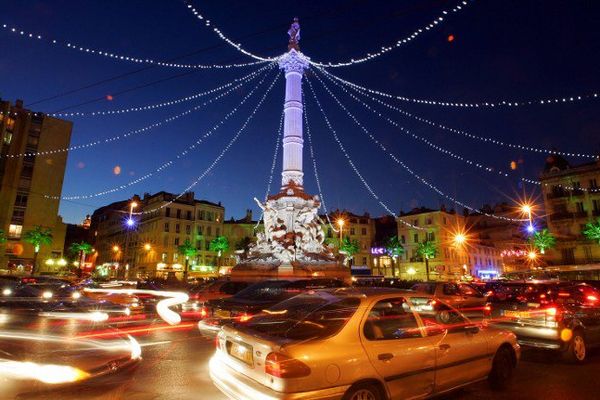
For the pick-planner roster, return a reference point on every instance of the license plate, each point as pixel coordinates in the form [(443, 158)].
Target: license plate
[(516, 314), (242, 352), (223, 313)]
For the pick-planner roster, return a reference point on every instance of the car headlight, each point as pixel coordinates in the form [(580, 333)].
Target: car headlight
[(76, 295), (47, 294), (47, 373), (136, 349), (7, 292)]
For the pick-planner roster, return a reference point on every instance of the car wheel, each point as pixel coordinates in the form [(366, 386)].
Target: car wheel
[(576, 351), (502, 369), (364, 391)]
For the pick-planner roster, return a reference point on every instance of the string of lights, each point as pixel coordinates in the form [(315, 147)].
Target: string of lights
[(237, 46), (275, 153), (220, 156), (144, 129), (401, 42), (441, 149), (481, 104), (244, 78), (384, 49), (341, 84), (121, 57), (170, 162), (352, 165), (414, 136), (413, 173), (313, 159)]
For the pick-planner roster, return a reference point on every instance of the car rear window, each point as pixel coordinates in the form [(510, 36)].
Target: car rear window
[(424, 287), (313, 315)]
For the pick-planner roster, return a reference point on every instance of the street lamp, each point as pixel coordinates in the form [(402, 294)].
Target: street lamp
[(147, 247), (527, 210), (340, 223), (532, 255), (460, 239)]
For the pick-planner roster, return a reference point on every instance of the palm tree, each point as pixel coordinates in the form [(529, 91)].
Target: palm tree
[(426, 250), (592, 230), (81, 249), (219, 244), (395, 250), (37, 237), (349, 247), (187, 249), (543, 240)]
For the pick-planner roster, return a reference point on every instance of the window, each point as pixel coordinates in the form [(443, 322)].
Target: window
[(431, 236), (188, 215), (593, 184), (175, 257), (363, 231), (467, 290), (208, 230), (391, 319), (596, 205), (429, 221), (178, 213), (352, 231), (450, 289), (168, 212), (14, 231), (166, 241), (402, 239), (21, 200), (188, 229), (416, 222), (199, 229), (166, 226), (177, 230), (364, 261), (8, 137), (580, 208), (416, 238), (201, 215), (176, 242), (163, 257)]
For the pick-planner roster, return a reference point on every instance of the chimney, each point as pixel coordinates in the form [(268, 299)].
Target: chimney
[(248, 215), (19, 103)]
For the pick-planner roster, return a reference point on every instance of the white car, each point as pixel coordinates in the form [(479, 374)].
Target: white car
[(359, 344)]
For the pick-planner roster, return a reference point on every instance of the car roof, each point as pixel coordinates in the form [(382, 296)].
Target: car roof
[(372, 291)]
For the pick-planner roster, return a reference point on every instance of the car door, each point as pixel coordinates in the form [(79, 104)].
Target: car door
[(450, 294), (395, 344), (462, 352)]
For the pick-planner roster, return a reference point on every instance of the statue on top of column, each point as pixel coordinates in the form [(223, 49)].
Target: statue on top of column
[(294, 33)]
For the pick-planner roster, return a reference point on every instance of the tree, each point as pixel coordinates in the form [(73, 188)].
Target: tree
[(349, 247), (81, 249), (394, 249), (2, 236), (37, 237), (543, 240), (187, 249), (426, 250), (592, 231), (219, 244)]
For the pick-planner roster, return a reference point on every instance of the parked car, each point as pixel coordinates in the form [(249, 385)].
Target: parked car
[(462, 296), (564, 318), (218, 289), (365, 343), (255, 298)]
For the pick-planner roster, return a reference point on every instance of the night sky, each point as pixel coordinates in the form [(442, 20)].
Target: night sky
[(502, 49)]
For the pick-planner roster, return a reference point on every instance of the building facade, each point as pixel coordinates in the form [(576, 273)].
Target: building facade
[(359, 228), (454, 258), (571, 199), (162, 222), (30, 183)]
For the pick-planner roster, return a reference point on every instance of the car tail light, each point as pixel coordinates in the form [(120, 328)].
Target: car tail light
[(563, 294), (282, 366), (592, 298), (487, 310), (554, 312), (194, 296), (204, 312)]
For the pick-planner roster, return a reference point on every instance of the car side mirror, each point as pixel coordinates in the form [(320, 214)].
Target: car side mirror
[(471, 329)]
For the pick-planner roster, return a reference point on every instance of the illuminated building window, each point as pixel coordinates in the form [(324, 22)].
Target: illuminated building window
[(14, 231), (8, 137)]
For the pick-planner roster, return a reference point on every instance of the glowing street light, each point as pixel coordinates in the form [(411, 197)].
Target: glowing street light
[(341, 223), (147, 247), (115, 248), (532, 255), (460, 239)]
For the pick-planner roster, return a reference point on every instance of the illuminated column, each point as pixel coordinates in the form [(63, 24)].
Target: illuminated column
[(293, 63)]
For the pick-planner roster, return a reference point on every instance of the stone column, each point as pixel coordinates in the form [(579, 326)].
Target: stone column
[(293, 63)]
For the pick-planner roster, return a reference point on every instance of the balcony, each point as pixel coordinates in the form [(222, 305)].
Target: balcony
[(557, 195)]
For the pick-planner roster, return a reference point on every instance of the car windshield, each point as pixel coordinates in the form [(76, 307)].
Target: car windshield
[(312, 315)]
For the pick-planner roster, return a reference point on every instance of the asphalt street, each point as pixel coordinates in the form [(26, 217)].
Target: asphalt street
[(174, 367)]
